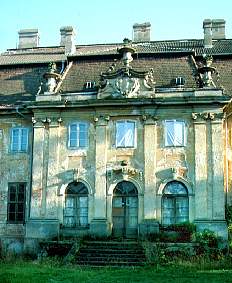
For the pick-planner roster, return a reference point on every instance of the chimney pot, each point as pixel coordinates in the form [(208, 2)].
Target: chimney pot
[(67, 39), (28, 38), (218, 29), (141, 32), (207, 26)]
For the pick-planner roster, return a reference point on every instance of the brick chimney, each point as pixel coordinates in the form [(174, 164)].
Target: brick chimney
[(207, 26), (67, 39), (28, 38), (218, 29), (141, 32)]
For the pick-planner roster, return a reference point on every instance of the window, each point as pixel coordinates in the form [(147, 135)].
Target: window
[(78, 135), (175, 133), (125, 134), (16, 202), (175, 204), (19, 139), (76, 205)]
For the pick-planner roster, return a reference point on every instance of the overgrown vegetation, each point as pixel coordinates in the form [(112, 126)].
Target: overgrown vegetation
[(174, 233)]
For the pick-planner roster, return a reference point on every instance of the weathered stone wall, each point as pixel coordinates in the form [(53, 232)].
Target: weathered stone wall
[(14, 167), (198, 164)]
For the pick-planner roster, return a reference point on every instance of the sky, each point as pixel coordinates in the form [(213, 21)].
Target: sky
[(107, 21)]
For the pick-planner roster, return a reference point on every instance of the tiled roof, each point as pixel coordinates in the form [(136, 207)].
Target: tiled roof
[(20, 84), (56, 53), (21, 70), (169, 46), (165, 71)]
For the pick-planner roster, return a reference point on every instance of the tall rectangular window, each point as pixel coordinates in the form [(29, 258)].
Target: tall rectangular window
[(78, 135), (125, 134), (16, 202), (175, 133), (19, 139)]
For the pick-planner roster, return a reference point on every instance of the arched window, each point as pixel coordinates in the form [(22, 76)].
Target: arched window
[(76, 205), (175, 203)]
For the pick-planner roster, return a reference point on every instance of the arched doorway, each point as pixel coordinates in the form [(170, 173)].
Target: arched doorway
[(76, 205), (125, 210), (175, 203)]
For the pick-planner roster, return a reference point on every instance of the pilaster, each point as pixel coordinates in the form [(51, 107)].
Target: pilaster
[(218, 210), (52, 168), (201, 168), (150, 145), (100, 167), (37, 169)]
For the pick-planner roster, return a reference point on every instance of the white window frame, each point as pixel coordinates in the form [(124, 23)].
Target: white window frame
[(175, 138), (118, 145), (19, 140), (77, 145)]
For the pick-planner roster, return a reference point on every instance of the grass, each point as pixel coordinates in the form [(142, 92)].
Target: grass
[(182, 272)]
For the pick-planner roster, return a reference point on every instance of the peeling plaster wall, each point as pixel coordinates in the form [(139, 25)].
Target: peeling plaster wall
[(197, 165), (15, 167)]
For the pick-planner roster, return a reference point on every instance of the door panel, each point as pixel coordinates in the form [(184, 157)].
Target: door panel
[(125, 216), (131, 216), (118, 216)]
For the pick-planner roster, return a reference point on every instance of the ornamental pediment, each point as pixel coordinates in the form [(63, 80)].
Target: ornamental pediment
[(126, 82)]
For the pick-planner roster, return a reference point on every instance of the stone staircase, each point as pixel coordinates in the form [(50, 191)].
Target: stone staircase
[(111, 253)]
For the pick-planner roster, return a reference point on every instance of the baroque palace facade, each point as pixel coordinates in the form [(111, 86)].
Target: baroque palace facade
[(114, 139)]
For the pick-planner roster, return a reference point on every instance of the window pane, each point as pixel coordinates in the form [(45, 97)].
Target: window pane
[(20, 217), (179, 133), (175, 133), (125, 134), (12, 207), (181, 209), (120, 134), (12, 195), (11, 216), (73, 135), (129, 134), (24, 139), (82, 135), (15, 140), (175, 188), (170, 135), (20, 208), (168, 211)]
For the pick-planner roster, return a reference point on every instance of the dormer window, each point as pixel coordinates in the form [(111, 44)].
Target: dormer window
[(90, 85)]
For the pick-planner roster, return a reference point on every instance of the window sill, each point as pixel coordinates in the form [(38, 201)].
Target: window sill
[(77, 152), (175, 146), (75, 228), (125, 150)]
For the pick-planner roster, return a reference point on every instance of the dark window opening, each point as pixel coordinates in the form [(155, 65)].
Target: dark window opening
[(16, 202)]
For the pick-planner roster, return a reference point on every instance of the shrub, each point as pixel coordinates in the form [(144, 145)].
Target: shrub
[(208, 244), (228, 214)]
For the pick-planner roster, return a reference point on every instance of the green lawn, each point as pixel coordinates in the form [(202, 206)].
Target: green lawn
[(25, 272)]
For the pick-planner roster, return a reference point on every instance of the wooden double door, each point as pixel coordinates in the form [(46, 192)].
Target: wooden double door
[(125, 210)]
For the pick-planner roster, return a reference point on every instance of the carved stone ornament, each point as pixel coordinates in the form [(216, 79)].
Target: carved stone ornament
[(123, 171), (126, 82), (77, 173), (206, 72), (180, 171), (127, 86), (208, 116), (52, 78)]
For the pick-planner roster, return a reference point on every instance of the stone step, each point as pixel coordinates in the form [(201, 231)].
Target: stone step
[(112, 263), (110, 250), (109, 258), (99, 253)]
